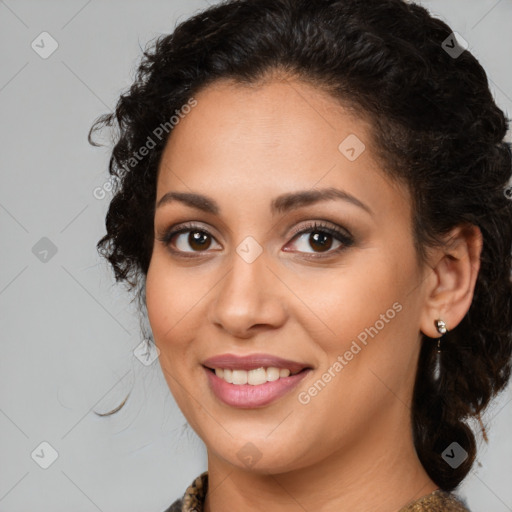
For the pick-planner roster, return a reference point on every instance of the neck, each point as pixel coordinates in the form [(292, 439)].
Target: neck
[(380, 473)]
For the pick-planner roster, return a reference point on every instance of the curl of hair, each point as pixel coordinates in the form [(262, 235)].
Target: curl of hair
[(435, 126)]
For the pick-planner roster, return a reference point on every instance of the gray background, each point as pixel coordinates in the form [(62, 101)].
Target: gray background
[(67, 333)]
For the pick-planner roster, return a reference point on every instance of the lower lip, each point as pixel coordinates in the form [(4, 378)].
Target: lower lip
[(246, 396)]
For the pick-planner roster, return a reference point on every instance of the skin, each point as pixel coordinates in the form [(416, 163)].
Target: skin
[(350, 447)]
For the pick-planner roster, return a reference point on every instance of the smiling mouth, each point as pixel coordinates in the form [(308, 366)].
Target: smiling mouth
[(250, 389), (254, 377), (252, 380)]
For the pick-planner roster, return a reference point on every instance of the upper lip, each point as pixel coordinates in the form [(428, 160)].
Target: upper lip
[(252, 361)]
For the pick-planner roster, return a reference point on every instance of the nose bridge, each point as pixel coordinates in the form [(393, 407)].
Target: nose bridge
[(245, 296), (243, 286)]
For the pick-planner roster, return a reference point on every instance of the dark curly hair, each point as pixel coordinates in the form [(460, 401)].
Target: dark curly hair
[(435, 125)]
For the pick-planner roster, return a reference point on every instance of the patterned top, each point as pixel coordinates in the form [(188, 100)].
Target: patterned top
[(438, 501)]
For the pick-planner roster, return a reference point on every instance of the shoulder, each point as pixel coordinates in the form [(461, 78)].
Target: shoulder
[(438, 501), (193, 499), (175, 507)]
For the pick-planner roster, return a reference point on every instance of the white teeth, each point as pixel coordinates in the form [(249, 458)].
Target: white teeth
[(256, 377), (272, 374), (253, 377), (239, 377)]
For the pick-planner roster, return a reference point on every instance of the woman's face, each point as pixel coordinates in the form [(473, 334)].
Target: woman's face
[(294, 252)]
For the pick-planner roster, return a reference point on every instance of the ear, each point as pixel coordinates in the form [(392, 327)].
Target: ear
[(451, 282)]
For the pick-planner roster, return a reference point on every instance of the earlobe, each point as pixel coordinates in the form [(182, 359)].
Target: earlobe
[(451, 286), (441, 326)]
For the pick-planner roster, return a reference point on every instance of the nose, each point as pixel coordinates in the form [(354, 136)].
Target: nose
[(247, 299)]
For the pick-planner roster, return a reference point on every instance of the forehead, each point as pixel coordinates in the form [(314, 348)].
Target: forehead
[(278, 136), (270, 115)]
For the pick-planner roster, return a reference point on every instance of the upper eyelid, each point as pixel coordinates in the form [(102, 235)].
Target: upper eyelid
[(189, 226), (321, 225), (309, 226), (318, 225)]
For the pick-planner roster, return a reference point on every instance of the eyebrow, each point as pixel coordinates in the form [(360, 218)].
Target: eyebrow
[(280, 204)]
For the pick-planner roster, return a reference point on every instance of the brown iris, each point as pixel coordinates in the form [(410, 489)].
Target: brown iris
[(199, 240), (322, 240)]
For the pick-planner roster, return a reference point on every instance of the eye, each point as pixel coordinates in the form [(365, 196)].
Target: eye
[(322, 239), (191, 239), (188, 239)]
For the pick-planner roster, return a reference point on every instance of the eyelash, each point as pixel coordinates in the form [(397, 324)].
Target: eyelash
[(342, 236)]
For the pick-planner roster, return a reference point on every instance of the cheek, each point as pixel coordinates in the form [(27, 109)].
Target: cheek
[(160, 305), (169, 298), (367, 318), (168, 301), (352, 298)]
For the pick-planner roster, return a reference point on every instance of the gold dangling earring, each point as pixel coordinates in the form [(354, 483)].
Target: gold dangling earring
[(442, 330)]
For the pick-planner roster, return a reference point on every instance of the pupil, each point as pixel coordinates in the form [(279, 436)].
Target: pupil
[(197, 239), (321, 239)]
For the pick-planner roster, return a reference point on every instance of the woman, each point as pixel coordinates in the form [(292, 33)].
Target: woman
[(312, 204)]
